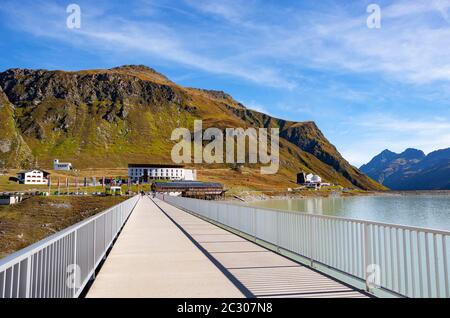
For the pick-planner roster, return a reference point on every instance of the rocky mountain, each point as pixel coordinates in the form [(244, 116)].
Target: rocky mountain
[(107, 118), (13, 148), (411, 170)]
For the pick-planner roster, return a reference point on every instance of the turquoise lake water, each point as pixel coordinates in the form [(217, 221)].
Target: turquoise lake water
[(431, 211)]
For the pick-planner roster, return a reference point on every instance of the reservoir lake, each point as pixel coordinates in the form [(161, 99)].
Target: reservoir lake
[(422, 210)]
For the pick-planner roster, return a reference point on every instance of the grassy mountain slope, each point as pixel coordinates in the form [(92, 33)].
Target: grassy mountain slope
[(13, 149), (108, 118)]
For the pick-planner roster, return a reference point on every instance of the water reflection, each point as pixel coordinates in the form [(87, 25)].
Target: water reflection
[(432, 211)]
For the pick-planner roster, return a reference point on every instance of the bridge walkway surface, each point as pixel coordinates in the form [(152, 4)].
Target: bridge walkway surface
[(164, 251), (153, 258)]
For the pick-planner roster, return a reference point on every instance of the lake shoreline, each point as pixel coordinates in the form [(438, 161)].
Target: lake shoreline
[(428, 209), (249, 197)]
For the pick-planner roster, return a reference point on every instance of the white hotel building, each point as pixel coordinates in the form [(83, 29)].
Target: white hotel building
[(147, 172), (34, 176)]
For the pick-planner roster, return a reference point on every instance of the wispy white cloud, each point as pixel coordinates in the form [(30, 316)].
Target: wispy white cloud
[(116, 34), (382, 122), (379, 131), (409, 8), (409, 47), (252, 104), (231, 10)]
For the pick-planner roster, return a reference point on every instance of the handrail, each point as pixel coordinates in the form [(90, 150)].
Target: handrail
[(401, 260), (62, 264), (49, 239), (406, 227)]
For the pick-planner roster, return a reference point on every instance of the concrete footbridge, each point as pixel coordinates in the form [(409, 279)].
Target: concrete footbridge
[(175, 254), (188, 248)]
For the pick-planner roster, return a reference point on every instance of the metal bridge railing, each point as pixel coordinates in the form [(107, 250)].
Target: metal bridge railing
[(402, 260), (61, 265)]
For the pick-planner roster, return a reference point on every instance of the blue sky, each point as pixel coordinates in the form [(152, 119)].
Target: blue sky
[(367, 89)]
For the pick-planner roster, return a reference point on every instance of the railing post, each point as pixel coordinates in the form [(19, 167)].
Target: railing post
[(104, 237), (278, 232), (28, 284), (254, 224), (94, 261), (366, 254), (74, 263), (311, 240), (444, 249)]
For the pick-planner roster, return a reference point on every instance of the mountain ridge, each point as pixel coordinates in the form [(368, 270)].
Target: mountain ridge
[(127, 113), (411, 169)]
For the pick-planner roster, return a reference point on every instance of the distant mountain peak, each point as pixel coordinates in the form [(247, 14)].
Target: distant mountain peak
[(135, 67), (386, 154), (411, 169), (382, 157), (412, 153), (143, 72)]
